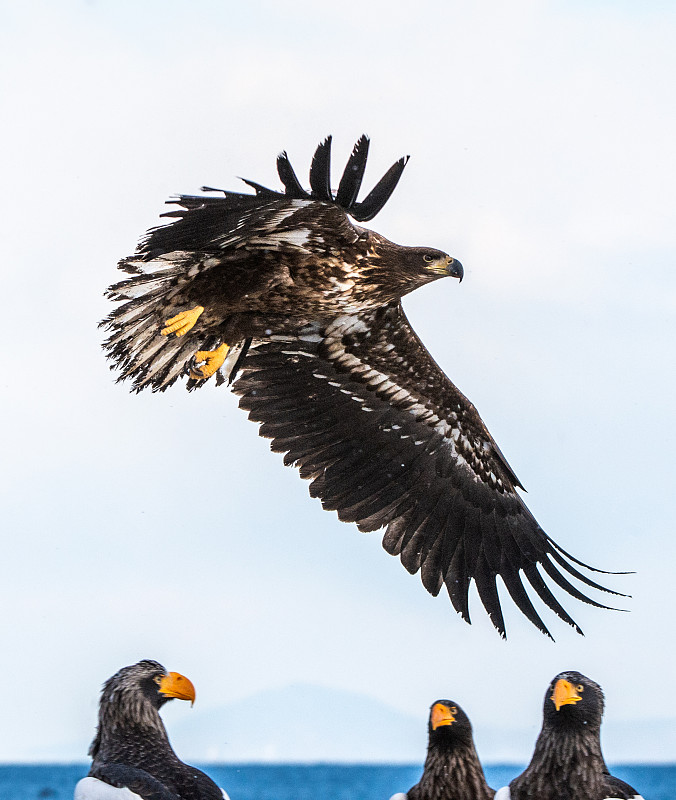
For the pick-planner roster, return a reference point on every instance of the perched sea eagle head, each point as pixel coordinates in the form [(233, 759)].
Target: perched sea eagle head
[(134, 695), (573, 701), (448, 725)]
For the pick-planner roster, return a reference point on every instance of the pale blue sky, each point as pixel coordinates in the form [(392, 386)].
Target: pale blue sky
[(542, 156)]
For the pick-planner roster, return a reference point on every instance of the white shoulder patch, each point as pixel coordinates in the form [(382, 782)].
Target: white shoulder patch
[(503, 794), (634, 797), (399, 796), (225, 794), (94, 789), (298, 237)]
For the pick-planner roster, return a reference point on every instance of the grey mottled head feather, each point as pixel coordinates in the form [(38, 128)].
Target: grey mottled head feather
[(125, 703)]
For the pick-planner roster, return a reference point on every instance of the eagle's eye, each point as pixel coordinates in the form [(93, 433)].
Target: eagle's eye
[(158, 679), (454, 710), (580, 687), (428, 258)]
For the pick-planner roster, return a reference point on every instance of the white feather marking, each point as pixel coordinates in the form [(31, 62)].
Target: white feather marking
[(94, 789), (298, 237), (303, 337), (299, 353), (280, 216)]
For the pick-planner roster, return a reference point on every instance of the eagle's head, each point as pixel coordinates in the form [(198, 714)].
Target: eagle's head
[(134, 694), (425, 264), (573, 701), (448, 725)]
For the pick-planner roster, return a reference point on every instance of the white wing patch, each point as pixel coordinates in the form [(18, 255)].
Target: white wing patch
[(94, 789), (299, 237), (633, 797), (503, 794), (376, 381)]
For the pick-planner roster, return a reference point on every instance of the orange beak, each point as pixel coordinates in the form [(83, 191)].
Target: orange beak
[(441, 715), (564, 694), (176, 685)]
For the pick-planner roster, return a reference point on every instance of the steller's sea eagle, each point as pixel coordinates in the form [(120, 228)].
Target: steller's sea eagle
[(285, 296), (132, 756), (567, 761), (452, 768)]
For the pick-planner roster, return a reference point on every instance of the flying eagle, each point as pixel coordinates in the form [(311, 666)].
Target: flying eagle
[(282, 294), (132, 757)]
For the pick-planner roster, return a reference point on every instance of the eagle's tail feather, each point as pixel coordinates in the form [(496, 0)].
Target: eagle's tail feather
[(135, 343)]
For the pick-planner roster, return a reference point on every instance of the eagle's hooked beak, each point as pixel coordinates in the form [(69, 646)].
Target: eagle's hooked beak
[(455, 269), (564, 694), (176, 685), (441, 715), (446, 267)]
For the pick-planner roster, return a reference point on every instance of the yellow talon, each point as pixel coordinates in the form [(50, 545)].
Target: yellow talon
[(183, 322), (213, 360)]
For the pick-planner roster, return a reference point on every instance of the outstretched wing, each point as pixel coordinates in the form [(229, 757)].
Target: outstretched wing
[(387, 440), (269, 220)]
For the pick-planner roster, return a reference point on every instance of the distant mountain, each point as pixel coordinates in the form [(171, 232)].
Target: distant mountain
[(305, 723), (301, 723)]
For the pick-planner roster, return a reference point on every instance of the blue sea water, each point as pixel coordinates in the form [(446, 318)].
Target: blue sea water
[(305, 782)]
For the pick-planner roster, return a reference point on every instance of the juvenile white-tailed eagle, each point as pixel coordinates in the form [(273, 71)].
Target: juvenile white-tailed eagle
[(284, 295)]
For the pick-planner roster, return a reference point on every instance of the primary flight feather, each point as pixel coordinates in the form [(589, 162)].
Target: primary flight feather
[(282, 294)]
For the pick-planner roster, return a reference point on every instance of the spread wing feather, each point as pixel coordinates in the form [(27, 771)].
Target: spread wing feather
[(380, 194), (320, 172), (353, 174), (387, 441)]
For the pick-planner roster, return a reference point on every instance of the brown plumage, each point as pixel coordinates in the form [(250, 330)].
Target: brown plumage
[(301, 308)]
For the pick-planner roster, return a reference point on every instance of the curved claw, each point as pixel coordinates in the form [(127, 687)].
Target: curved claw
[(183, 322), (212, 361)]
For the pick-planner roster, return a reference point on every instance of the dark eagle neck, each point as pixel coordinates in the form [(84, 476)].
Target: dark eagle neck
[(132, 741), (568, 766), (452, 775)]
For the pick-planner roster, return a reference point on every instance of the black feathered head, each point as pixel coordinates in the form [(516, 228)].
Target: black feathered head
[(573, 701), (448, 724), (134, 695)]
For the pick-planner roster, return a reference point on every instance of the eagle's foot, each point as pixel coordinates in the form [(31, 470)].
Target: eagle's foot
[(211, 360), (183, 322)]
